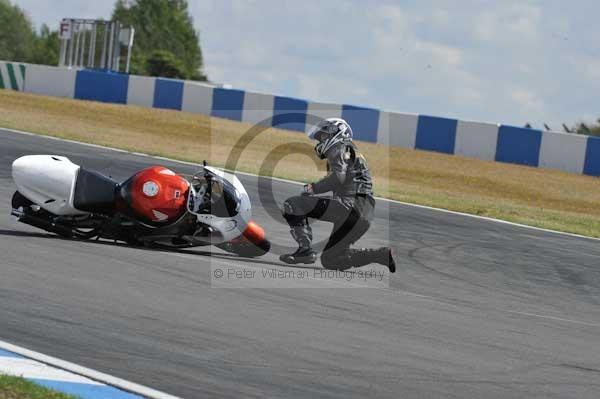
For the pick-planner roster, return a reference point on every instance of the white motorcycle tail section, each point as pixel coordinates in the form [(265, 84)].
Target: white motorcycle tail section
[(48, 181)]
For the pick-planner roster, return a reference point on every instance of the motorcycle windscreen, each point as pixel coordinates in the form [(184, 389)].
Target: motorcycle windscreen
[(214, 196)]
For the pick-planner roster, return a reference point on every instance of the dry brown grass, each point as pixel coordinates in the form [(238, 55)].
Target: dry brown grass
[(544, 198)]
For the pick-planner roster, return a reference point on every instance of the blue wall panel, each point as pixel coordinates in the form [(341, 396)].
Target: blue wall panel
[(436, 134), (363, 121), (518, 145), (289, 113), (592, 157), (168, 94), (228, 103), (101, 86)]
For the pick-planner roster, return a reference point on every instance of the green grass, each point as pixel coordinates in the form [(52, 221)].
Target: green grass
[(20, 388), (538, 197)]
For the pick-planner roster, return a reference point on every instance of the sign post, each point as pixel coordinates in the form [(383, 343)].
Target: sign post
[(84, 41)]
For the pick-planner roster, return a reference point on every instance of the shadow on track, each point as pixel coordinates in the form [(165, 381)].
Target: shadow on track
[(157, 248)]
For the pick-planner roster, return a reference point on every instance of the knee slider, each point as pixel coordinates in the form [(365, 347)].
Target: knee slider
[(292, 214), (288, 207)]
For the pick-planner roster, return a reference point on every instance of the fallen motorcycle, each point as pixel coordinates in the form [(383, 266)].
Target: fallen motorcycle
[(154, 207)]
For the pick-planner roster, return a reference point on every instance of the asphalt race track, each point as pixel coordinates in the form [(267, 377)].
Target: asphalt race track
[(477, 308)]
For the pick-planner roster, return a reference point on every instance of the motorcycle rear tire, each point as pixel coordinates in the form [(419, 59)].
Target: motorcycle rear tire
[(19, 200)]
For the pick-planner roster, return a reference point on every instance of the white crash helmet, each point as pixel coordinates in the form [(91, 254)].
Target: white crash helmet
[(328, 133), (219, 201)]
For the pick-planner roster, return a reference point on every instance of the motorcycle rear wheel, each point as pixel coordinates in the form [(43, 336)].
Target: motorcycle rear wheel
[(20, 201)]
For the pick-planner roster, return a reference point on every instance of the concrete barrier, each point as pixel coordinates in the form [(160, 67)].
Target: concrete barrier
[(101, 86), (289, 113), (141, 91), (436, 134), (12, 75), (518, 145), (476, 140), (56, 82), (563, 151), (168, 94), (258, 108), (197, 98), (502, 143)]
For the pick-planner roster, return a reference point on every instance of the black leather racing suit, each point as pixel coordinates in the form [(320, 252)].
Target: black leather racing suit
[(350, 209)]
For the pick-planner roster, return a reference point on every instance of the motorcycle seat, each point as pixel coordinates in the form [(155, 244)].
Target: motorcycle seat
[(94, 192)]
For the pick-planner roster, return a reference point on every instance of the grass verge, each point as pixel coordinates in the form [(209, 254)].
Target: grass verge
[(20, 388), (543, 198)]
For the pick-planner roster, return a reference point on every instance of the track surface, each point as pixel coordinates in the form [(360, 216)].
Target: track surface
[(477, 309)]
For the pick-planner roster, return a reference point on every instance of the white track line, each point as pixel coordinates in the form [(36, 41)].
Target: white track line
[(489, 219), (89, 373), (32, 369)]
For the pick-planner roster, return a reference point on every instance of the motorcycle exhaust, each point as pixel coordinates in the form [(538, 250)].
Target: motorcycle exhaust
[(43, 224), (17, 213)]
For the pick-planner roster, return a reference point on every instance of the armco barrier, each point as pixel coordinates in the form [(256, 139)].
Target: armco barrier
[(568, 152)]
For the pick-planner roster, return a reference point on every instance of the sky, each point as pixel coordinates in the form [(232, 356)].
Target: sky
[(496, 61)]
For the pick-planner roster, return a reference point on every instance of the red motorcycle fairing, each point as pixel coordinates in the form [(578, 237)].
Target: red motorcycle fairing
[(156, 194)]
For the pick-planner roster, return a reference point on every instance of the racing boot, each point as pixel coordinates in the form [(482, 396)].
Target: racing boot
[(304, 254), (384, 256), (390, 262)]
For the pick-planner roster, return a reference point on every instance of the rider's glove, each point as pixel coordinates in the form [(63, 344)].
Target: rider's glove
[(307, 189)]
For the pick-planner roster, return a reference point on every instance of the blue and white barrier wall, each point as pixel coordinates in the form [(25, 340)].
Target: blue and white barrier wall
[(497, 142)]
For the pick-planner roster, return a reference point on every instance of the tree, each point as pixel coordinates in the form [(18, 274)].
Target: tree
[(164, 63), (46, 48), (161, 25), (17, 37), (588, 129), (19, 42)]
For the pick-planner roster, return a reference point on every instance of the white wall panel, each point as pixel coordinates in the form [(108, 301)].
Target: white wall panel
[(257, 107), (397, 129), (321, 111), (141, 91), (197, 98), (50, 81), (476, 140), (563, 151)]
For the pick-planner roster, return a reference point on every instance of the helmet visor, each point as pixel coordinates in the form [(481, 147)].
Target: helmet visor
[(322, 130)]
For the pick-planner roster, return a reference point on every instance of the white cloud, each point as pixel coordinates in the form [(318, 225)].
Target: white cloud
[(528, 100), (508, 24)]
